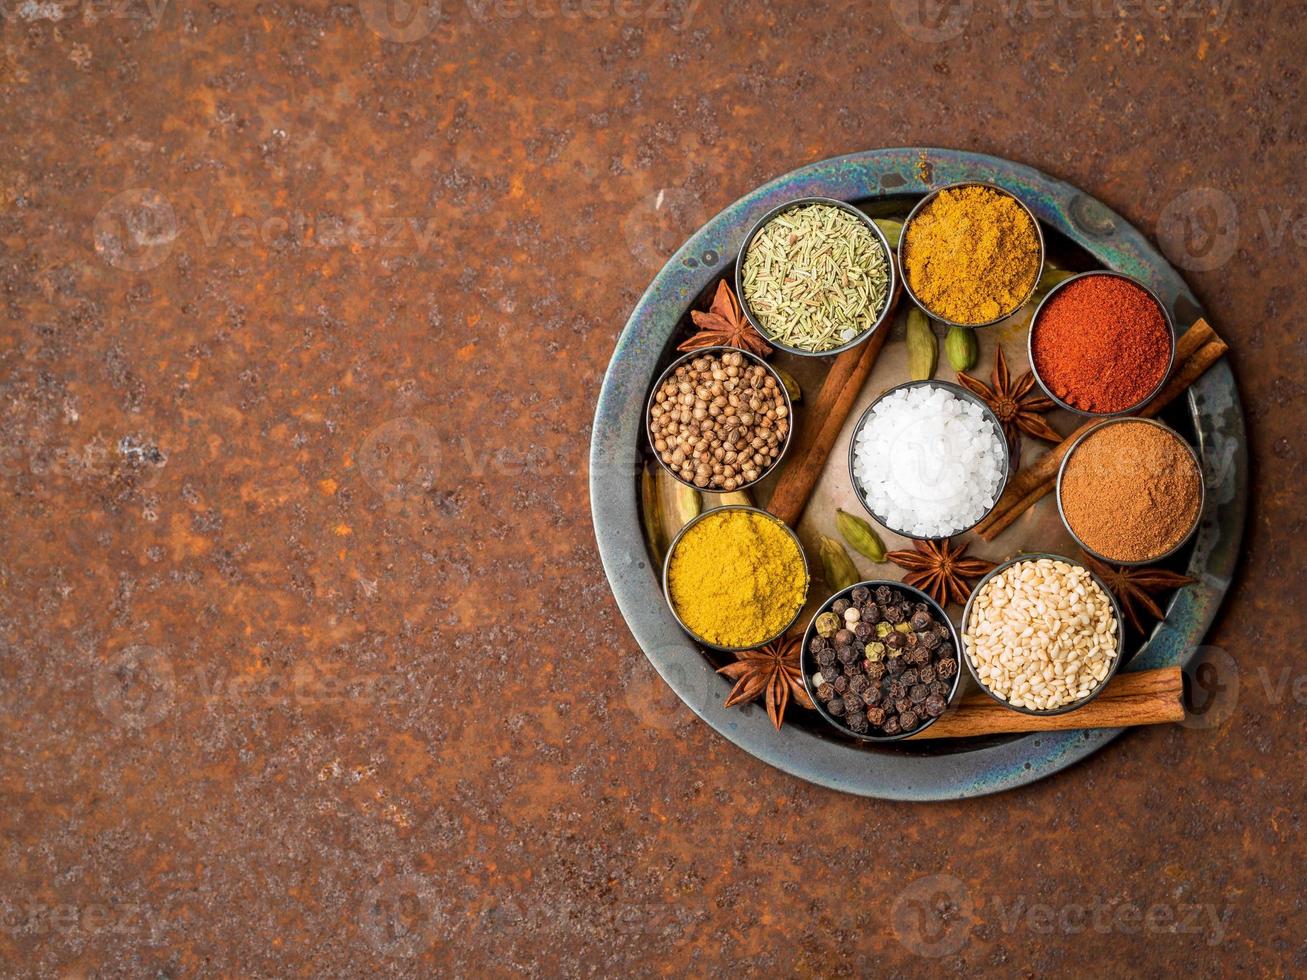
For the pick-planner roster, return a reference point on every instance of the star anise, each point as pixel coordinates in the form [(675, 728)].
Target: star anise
[(1133, 587), (772, 670), (1013, 402), (941, 569), (724, 325)]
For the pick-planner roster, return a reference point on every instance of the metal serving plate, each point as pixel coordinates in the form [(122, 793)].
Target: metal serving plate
[(1082, 233)]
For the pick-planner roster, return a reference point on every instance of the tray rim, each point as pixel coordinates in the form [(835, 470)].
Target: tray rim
[(859, 177)]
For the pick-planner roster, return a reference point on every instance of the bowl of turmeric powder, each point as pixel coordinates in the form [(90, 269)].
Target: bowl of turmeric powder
[(735, 578), (971, 254)]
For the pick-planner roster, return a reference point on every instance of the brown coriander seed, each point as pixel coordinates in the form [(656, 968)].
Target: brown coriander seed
[(719, 422)]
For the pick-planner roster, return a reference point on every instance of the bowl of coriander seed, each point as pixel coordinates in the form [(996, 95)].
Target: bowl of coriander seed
[(719, 419)]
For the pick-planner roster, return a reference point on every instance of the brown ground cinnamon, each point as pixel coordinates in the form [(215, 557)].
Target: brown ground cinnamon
[(1131, 491)]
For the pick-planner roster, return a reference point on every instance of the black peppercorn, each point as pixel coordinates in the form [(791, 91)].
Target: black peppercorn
[(871, 613), (876, 716), (894, 615), (818, 644), (875, 671), (908, 720), (826, 658), (863, 632), (825, 691), (844, 638), (909, 677), (946, 669), (860, 595), (891, 726), (852, 702), (930, 640), (841, 683), (871, 694), (836, 707), (839, 606), (902, 705), (858, 721), (934, 705), (920, 620), (858, 683), (926, 674), (918, 693), (895, 666), (896, 640)]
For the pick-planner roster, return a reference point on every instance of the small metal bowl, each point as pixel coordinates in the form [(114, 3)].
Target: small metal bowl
[(890, 286), (667, 565), (903, 239), (1034, 326), (1202, 492), (1111, 670), (962, 393), (717, 352), (808, 667)]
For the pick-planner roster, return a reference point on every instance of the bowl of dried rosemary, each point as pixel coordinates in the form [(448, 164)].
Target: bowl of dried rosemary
[(815, 276)]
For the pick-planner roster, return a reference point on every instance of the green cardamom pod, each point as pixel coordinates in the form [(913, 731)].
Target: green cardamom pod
[(1051, 276), (791, 386), (860, 535), (961, 347), (736, 498), (892, 229), (838, 566), (923, 349), (686, 505)]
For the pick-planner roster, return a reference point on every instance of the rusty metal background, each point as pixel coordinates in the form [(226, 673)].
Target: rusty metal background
[(249, 445)]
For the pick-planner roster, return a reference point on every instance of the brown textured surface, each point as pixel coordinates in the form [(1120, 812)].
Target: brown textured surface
[(287, 453)]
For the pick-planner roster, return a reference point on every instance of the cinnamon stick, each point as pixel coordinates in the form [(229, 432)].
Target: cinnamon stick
[(822, 425), (1197, 349), (1143, 697)]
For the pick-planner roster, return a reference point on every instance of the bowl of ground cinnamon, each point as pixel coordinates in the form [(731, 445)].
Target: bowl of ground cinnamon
[(971, 254), (1130, 491), (1101, 344)]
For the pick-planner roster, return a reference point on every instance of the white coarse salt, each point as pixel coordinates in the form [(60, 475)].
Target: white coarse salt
[(929, 462)]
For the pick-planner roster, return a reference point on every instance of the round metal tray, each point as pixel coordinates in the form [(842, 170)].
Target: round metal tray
[(1083, 233)]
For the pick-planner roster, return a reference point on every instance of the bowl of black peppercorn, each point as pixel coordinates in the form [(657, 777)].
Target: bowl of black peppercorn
[(880, 661)]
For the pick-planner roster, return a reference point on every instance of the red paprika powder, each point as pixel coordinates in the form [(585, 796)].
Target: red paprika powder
[(1101, 344)]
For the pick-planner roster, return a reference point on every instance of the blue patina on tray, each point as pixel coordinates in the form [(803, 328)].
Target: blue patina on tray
[(953, 768)]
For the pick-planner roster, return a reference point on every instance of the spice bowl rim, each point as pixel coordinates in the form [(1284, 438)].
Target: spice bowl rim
[(1034, 325), (667, 566), (709, 351), (956, 389), (1202, 491), (903, 239), (882, 317), (805, 658), (1116, 611)]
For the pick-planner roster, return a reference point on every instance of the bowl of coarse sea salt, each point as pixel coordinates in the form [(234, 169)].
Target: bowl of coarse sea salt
[(928, 459)]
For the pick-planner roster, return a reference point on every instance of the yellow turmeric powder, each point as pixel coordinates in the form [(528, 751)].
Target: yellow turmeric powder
[(737, 578), (971, 255)]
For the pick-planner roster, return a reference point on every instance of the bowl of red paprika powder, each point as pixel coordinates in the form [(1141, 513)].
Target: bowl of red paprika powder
[(1101, 344)]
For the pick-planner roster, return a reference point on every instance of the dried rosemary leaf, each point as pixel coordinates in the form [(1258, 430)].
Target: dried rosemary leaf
[(816, 277)]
